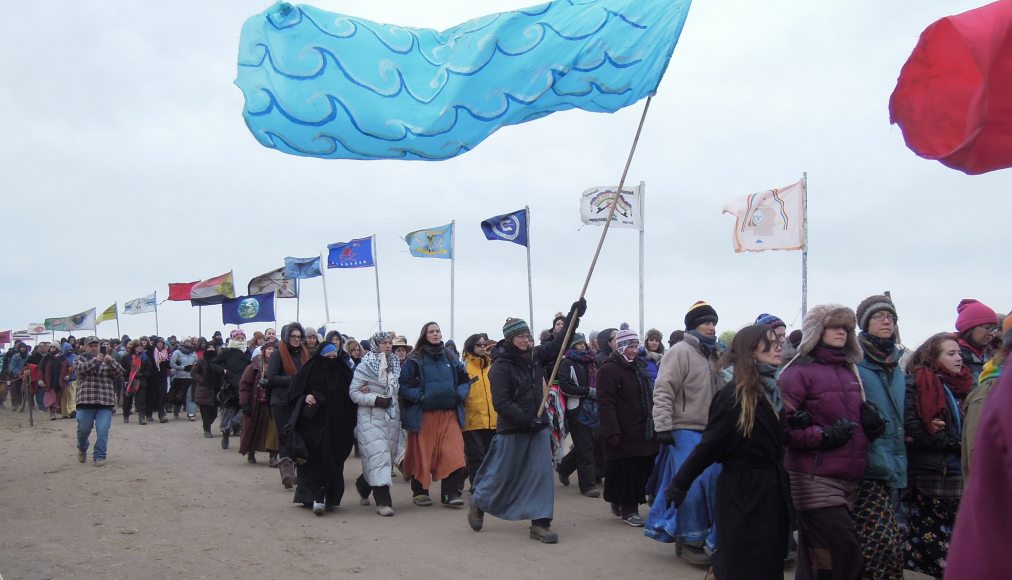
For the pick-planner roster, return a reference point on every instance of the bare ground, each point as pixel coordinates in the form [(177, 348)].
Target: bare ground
[(171, 504)]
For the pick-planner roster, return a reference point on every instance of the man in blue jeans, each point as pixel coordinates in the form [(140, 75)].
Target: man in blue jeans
[(96, 398)]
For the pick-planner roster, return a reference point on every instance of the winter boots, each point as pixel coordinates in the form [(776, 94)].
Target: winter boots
[(287, 468)]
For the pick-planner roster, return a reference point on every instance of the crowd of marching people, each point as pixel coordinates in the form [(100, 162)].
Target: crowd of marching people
[(835, 444)]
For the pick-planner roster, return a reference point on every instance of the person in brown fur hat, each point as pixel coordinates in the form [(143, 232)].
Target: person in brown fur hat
[(827, 441)]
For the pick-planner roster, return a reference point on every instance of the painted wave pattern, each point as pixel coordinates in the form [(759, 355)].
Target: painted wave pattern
[(320, 84)]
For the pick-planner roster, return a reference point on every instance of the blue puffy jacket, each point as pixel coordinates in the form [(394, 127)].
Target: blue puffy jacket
[(887, 455), (432, 383)]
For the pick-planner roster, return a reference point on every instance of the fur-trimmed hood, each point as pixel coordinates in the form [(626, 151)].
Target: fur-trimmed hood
[(818, 318)]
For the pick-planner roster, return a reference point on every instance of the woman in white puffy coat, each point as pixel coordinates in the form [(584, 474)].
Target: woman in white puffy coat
[(378, 432)]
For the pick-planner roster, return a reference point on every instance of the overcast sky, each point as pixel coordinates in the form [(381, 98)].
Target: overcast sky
[(126, 165)]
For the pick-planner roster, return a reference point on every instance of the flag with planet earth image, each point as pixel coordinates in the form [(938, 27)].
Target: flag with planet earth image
[(244, 309)]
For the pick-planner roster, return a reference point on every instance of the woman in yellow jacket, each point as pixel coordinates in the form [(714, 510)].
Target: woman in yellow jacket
[(479, 414)]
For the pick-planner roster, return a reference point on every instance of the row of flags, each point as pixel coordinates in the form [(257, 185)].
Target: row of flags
[(767, 220)]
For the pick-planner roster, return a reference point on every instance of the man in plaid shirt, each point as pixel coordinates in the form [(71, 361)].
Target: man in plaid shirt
[(96, 398)]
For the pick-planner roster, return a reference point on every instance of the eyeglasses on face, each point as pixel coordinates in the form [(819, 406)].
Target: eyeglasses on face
[(883, 316)]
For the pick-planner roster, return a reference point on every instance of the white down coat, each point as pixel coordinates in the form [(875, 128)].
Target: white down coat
[(378, 431)]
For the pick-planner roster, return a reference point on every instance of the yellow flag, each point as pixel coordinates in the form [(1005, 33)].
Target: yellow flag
[(107, 314)]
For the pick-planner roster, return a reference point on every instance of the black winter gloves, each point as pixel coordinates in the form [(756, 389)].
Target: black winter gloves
[(837, 434), (665, 437), (800, 420), (382, 402), (580, 307), (871, 421), (673, 497)]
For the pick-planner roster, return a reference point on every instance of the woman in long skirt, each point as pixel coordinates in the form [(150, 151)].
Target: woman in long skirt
[(259, 432), (515, 482), (937, 384), (433, 387)]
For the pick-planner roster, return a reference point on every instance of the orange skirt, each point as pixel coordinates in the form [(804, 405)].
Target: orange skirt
[(437, 450)]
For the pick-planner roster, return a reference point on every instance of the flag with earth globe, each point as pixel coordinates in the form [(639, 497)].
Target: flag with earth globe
[(244, 309)]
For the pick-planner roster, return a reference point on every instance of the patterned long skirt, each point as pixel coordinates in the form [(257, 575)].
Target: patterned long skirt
[(878, 532), (929, 531)]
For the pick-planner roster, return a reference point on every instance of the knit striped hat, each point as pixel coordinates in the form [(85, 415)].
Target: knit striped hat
[(577, 339), (770, 321), (699, 313), (872, 305), (514, 327), (624, 338)]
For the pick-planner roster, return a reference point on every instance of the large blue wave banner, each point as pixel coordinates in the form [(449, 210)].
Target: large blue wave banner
[(327, 85)]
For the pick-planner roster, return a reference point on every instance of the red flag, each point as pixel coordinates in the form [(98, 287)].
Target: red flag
[(181, 290), (5, 336), (952, 97)]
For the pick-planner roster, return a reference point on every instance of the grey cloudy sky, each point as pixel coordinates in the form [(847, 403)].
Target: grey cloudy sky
[(126, 165)]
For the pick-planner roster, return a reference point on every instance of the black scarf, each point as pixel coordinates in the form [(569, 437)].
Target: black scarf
[(708, 344), (881, 351)]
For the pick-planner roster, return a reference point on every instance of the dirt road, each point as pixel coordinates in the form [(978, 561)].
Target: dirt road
[(172, 504)]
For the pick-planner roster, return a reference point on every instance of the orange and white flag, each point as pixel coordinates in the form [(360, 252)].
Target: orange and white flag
[(769, 220)]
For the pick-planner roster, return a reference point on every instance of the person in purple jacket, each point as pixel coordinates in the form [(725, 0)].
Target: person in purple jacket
[(826, 443)]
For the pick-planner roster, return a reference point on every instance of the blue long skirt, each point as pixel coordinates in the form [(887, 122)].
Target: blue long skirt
[(515, 481), (695, 522)]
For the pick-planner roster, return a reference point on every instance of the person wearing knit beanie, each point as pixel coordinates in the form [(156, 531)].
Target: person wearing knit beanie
[(779, 326), (515, 480), (976, 324), (624, 339), (577, 339), (972, 313), (699, 313), (885, 473), (514, 327), (871, 306)]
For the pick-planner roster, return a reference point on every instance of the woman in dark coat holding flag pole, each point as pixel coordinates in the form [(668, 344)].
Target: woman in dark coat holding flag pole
[(515, 482)]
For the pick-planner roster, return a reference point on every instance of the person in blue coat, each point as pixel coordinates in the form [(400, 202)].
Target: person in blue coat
[(433, 387), (886, 470)]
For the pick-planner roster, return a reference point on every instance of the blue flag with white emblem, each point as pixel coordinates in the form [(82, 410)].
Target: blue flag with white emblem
[(255, 308), (510, 227), (353, 254), (296, 268)]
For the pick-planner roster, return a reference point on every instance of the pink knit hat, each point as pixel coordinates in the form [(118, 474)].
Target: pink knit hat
[(973, 313)]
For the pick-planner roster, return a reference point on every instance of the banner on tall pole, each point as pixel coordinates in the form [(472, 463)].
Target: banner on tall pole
[(300, 268), (596, 202), (37, 328), (213, 290), (107, 314), (431, 242), (769, 220), (180, 291), (256, 308), (510, 227), (5, 336), (80, 321), (140, 305), (354, 254), (273, 281)]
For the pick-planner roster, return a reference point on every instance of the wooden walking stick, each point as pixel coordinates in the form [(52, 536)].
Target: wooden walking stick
[(597, 253)]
